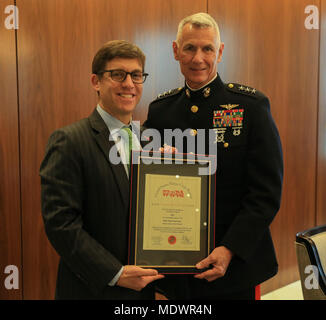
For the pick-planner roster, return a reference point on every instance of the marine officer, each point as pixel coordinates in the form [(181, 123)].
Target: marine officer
[(249, 165)]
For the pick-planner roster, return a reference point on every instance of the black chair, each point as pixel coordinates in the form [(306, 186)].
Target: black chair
[(311, 254)]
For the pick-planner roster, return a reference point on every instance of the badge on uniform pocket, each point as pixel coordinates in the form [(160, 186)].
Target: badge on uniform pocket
[(224, 119)]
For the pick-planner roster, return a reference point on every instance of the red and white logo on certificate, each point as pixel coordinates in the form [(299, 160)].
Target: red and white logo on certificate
[(172, 240)]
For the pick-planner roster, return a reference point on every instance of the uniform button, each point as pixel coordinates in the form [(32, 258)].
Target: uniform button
[(193, 132), (226, 145), (194, 109), (231, 85)]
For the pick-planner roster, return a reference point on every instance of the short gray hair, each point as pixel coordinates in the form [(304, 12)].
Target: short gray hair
[(199, 20)]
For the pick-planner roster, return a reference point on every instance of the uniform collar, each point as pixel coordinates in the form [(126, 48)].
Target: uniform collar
[(206, 91), (194, 90)]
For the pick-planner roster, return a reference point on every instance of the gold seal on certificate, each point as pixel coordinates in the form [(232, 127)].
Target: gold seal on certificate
[(172, 212)]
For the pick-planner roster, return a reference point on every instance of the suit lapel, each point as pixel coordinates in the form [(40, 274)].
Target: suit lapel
[(102, 137), (143, 143)]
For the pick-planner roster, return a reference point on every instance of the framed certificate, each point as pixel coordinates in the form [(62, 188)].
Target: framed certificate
[(172, 211)]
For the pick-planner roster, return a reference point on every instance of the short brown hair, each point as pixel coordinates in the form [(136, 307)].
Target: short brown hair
[(113, 49)]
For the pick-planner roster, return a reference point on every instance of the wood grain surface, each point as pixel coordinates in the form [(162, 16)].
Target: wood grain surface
[(10, 221), (321, 164)]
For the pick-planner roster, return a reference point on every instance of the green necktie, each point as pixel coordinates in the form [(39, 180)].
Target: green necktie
[(128, 130)]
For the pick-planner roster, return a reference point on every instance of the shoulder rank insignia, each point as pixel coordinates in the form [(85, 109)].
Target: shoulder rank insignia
[(239, 88), (169, 93)]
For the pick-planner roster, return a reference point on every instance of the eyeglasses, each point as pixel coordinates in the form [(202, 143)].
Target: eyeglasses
[(121, 75)]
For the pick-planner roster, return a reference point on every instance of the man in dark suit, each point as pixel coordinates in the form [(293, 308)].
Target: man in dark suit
[(85, 191), (249, 165)]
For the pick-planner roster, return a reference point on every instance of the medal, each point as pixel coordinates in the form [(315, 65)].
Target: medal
[(229, 118), (219, 135)]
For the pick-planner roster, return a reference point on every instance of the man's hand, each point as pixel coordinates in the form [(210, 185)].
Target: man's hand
[(220, 259), (160, 296), (168, 149), (137, 278)]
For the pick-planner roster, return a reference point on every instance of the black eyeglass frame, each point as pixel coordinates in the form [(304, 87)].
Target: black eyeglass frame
[(126, 73)]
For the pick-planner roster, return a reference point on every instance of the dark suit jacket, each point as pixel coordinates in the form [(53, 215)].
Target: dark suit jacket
[(85, 201), (249, 177)]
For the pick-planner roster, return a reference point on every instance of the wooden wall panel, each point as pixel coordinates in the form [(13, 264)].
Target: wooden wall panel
[(57, 40), (268, 47), (10, 222), (321, 167)]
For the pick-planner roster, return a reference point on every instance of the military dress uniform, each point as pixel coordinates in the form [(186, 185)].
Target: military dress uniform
[(248, 178)]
